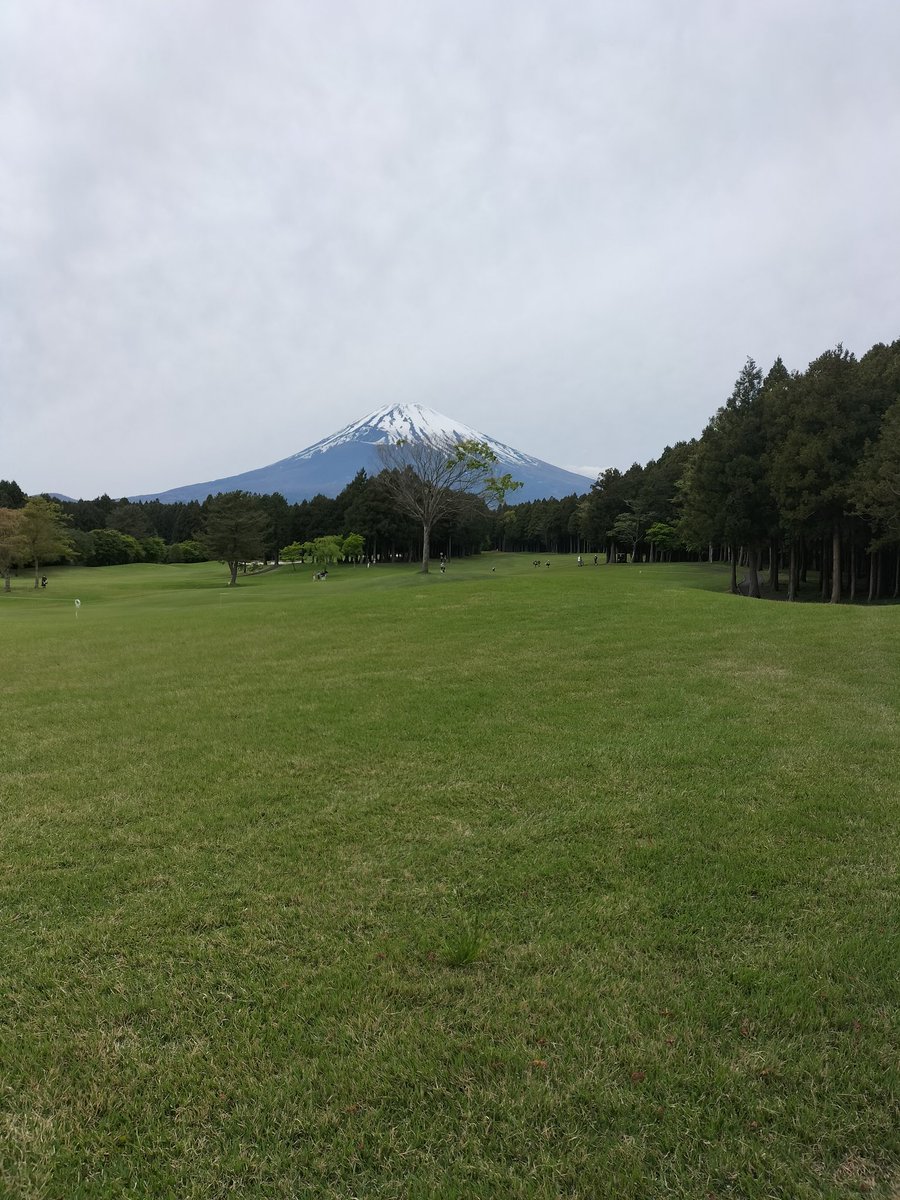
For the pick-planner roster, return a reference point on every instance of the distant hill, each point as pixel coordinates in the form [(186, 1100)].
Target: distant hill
[(327, 467)]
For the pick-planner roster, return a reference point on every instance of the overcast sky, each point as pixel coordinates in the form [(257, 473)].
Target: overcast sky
[(229, 227)]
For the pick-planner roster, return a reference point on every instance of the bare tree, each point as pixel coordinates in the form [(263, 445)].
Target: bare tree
[(425, 479)]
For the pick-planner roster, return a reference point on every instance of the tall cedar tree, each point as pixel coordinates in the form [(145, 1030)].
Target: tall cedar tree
[(876, 483), (11, 495), (726, 492), (824, 425)]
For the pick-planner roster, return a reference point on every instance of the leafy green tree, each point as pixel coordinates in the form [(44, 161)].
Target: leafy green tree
[(111, 548), (422, 479), (353, 545), (188, 551), (154, 549), (327, 549), (11, 546), (236, 529), (628, 529), (292, 554), (43, 533), (663, 536)]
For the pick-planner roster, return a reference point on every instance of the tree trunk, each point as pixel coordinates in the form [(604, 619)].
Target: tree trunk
[(879, 574), (233, 568), (753, 573), (793, 572), (852, 568), (836, 564), (773, 566), (426, 547), (734, 586), (896, 574), (710, 551), (7, 585), (871, 577), (37, 573)]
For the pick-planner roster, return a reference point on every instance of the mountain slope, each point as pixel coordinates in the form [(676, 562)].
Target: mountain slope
[(329, 465)]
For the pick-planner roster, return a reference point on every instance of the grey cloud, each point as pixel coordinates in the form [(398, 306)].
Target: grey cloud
[(228, 229)]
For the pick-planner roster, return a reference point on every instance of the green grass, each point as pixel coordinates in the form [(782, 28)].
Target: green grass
[(525, 883)]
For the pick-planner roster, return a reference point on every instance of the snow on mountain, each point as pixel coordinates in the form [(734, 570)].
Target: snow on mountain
[(328, 466), (411, 423)]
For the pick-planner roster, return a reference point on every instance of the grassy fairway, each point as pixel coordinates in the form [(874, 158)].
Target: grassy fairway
[(534, 883)]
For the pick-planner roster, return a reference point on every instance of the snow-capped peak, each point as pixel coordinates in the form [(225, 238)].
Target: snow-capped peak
[(411, 423)]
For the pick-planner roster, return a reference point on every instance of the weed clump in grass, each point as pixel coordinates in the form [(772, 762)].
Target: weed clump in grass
[(464, 946)]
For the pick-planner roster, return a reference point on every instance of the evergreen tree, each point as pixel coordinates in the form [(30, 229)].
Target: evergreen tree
[(824, 426), (726, 492), (236, 529), (11, 495), (876, 483)]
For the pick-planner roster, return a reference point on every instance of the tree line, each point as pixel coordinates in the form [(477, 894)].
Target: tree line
[(797, 473), (366, 519), (804, 469)]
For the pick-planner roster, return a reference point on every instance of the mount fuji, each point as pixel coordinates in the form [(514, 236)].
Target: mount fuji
[(329, 465)]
